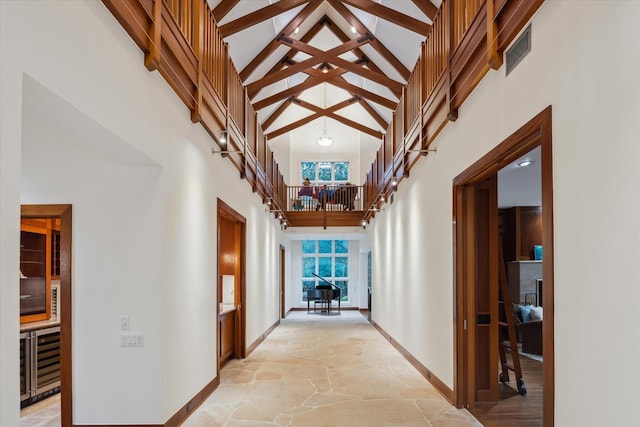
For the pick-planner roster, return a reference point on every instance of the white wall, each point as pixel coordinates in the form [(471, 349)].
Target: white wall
[(585, 67), (83, 122)]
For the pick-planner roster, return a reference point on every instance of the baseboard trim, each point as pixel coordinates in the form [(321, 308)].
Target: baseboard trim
[(180, 415), (437, 383), (118, 425), (257, 342), (188, 408)]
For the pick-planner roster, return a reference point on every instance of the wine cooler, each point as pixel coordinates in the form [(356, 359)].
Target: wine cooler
[(39, 364)]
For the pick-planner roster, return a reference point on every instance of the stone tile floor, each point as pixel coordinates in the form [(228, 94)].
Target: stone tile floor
[(312, 371), (316, 370), (45, 413)]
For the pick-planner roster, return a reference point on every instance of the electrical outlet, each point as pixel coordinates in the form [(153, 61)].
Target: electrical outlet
[(124, 323), (131, 340)]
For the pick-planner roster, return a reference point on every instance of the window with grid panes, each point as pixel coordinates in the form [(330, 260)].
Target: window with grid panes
[(329, 259)]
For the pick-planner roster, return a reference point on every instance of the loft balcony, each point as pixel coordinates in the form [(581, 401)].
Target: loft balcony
[(182, 40), (324, 206)]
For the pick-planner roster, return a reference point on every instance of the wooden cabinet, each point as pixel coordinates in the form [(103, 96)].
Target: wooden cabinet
[(35, 271), (521, 229), (227, 335), (39, 264)]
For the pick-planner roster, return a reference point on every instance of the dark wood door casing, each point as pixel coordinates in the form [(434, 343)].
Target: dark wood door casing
[(231, 260), (283, 308), (64, 212), (536, 132)]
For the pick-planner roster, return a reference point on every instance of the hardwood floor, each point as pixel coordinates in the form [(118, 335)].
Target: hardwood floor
[(514, 409)]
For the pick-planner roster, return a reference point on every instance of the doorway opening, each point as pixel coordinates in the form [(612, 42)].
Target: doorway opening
[(231, 284), (46, 357), (477, 256), (283, 308)]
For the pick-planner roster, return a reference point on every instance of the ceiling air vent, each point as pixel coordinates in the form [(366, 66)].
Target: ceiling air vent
[(519, 50)]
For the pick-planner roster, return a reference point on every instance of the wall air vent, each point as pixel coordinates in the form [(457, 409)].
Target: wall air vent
[(519, 50)]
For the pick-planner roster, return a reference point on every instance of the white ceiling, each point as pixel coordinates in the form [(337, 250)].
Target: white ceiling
[(521, 186)]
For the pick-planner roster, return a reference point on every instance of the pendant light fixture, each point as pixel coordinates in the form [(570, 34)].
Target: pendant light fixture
[(324, 139)]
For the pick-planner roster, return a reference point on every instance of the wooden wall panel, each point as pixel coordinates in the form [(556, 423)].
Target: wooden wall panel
[(226, 247)]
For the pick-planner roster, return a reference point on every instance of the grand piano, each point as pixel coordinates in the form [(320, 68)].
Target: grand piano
[(323, 294)]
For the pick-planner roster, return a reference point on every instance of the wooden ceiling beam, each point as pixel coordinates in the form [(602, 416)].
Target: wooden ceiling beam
[(258, 16), (287, 58), (375, 43), (373, 113), (365, 104), (358, 52), (277, 113), (394, 86), (358, 126), (292, 126), (426, 7), (391, 15), (318, 78), (320, 112), (312, 81), (343, 37), (301, 66), (223, 8), (341, 83), (325, 111), (265, 53), (305, 38), (295, 100), (274, 44)]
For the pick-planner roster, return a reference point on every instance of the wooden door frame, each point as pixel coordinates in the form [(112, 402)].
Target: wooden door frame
[(227, 212), (64, 213), (536, 132), (283, 313)]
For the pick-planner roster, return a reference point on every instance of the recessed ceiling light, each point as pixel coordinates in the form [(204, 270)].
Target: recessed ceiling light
[(353, 29), (297, 30), (525, 163)]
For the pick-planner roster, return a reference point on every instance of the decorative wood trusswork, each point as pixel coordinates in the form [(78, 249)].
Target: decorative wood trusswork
[(182, 40)]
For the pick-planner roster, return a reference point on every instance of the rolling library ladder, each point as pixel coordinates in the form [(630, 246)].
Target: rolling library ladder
[(507, 322)]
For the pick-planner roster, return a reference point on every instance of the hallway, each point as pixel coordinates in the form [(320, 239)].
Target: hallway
[(316, 370)]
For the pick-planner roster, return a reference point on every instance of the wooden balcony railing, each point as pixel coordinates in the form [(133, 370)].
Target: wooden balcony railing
[(236, 98), (214, 55), (434, 53), (453, 60), (463, 14), (324, 197), (324, 205), (183, 12), (181, 40)]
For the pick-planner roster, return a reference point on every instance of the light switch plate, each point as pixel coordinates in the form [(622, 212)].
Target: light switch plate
[(131, 340), (124, 323)]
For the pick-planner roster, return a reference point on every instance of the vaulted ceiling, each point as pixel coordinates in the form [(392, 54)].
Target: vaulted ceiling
[(315, 64)]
